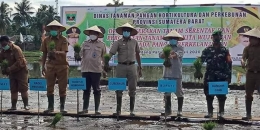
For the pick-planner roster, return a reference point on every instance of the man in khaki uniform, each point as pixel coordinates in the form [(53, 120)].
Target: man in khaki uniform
[(128, 51), (174, 72), (56, 66), (251, 60), (17, 71), (92, 52)]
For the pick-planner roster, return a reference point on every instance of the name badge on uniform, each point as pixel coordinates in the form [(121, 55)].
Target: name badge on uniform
[(94, 54), (218, 88)]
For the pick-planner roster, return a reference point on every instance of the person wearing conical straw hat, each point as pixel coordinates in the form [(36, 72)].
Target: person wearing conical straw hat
[(92, 53), (250, 61), (173, 72), (128, 52), (55, 64), (219, 68)]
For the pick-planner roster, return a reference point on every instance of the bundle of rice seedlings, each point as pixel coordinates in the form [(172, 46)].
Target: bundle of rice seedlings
[(166, 52), (77, 49), (198, 65)]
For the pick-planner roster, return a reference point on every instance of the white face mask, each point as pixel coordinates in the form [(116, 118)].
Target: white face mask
[(93, 37)]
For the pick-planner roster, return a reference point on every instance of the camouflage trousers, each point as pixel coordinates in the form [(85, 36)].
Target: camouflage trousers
[(211, 76)]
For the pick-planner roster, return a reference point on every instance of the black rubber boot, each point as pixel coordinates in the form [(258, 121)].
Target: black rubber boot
[(118, 106), (210, 109), (180, 104), (85, 104), (132, 105), (62, 105), (50, 104), (13, 107), (168, 106), (221, 108), (248, 111), (25, 104), (97, 102)]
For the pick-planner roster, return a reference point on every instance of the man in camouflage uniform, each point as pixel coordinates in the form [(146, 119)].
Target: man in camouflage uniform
[(219, 67), (251, 61)]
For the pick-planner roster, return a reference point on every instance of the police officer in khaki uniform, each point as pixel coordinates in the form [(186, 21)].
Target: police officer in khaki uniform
[(55, 64), (251, 60), (175, 71), (17, 71), (92, 53), (128, 51)]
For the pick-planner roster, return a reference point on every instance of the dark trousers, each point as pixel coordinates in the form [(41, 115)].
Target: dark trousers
[(92, 80), (252, 81)]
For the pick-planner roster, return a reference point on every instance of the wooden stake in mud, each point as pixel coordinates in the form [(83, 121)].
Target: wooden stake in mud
[(1, 104), (165, 117), (4, 85), (77, 84), (38, 85), (77, 105), (38, 106)]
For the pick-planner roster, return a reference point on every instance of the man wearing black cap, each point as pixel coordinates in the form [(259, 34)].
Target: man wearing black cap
[(16, 70), (237, 50)]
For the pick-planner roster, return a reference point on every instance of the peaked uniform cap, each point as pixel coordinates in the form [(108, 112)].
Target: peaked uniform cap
[(255, 32), (217, 32), (55, 23), (127, 25), (95, 29), (173, 34)]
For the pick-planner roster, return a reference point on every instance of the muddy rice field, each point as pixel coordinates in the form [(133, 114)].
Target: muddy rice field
[(148, 100)]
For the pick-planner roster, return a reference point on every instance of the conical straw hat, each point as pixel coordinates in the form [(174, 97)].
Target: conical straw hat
[(127, 25), (255, 32), (173, 34), (55, 23), (95, 29)]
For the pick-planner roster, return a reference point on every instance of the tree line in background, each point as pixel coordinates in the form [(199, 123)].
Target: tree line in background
[(28, 22)]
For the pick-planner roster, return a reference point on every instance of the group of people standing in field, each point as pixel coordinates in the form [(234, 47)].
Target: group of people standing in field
[(55, 66)]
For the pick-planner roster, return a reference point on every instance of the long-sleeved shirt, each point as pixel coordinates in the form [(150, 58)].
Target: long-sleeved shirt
[(252, 57), (218, 60), (15, 58), (61, 44), (175, 71), (92, 54)]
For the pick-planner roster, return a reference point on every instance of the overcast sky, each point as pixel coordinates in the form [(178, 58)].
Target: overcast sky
[(36, 3)]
